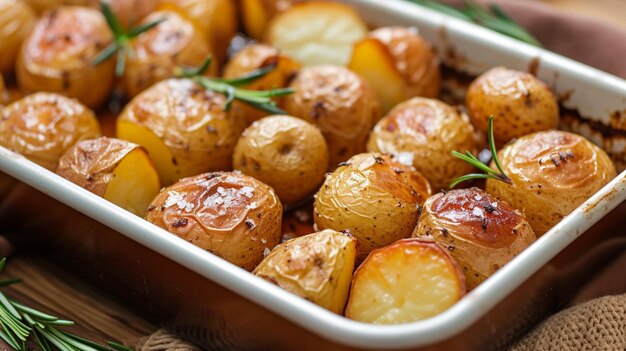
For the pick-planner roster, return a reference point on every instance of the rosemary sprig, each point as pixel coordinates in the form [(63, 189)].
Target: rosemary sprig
[(261, 99), (490, 173), (19, 322), (492, 17), (121, 38)]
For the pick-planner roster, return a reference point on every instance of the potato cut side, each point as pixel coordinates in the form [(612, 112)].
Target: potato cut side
[(134, 184), (404, 282), (317, 33)]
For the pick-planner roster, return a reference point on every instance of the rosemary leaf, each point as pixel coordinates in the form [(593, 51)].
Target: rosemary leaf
[(114, 24), (249, 77), (33, 312), (135, 31), (41, 341), (9, 339), (8, 282), (5, 302)]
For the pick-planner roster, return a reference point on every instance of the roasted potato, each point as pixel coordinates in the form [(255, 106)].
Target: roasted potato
[(16, 19), (117, 170), (284, 152), (520, 103), (254, 57), (317, 33), (481, 232), (256, 14), (398, 63), (317, 267), (43, 126), (423, 132), (407, 281), (552, 173), (184, 128), (41, 6), (234, 216), (174, 42), (374, 197), (4, 93), (57, 55), (340, 103)]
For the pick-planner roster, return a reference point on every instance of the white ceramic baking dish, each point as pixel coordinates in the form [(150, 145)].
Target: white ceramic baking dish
[(166, 276)]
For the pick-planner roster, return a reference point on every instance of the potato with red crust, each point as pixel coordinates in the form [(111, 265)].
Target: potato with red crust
[(229, 214)]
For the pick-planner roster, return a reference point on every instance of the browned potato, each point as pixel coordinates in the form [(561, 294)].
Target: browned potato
[(16, 19), (229, 214), (481, 232), (520, 103), (423, 132), (317, 267), (398, 63), (43, 126), (114, 169), (340, 103), (42, 6), (4, 93), (284, 152), (58, 53), (374, 197), (552, 172), (407, 281), (184, 128), (256, 14), (174, 42), (252, 58)]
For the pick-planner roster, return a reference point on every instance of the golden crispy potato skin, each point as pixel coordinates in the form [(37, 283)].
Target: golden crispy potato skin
[(229, 214), (58, 53), (481, 232), (252, 58), (286, 153), (374, 197), (256, 14), (340, 103), (175, 42), (553, 172), (16, 19), (192, 124), (425, 132), (317, 267), (520, 103), (43, 126)]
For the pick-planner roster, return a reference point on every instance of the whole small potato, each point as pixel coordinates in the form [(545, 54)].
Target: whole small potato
[(520, 103), (57, 56), (284, 152), (424, 132), (184, 128), (374, 197), (552, 173), (317, 267), (254, 57), (481, 232), (16, 19), (43, 126), (340, 103), (229, 214)]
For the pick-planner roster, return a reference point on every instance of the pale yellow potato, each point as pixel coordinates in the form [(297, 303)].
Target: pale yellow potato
[(398, 63), (374, 197), (340, 103), (43, 126), (256, 14), (553, 172), (520, 103), (184, 128), (481, 232), (317, 267), (407, 281), (423, 132), (254, 57), (231, 215), (117, 170), (57, 55), (16, 19), (317, 33), (284, 152)]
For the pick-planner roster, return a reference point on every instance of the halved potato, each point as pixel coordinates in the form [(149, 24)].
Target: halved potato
[(316, 33), (407, 281), (16, 19), (317, 267), (256, 14), (117, 170), (398, 64), (43, 126)]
